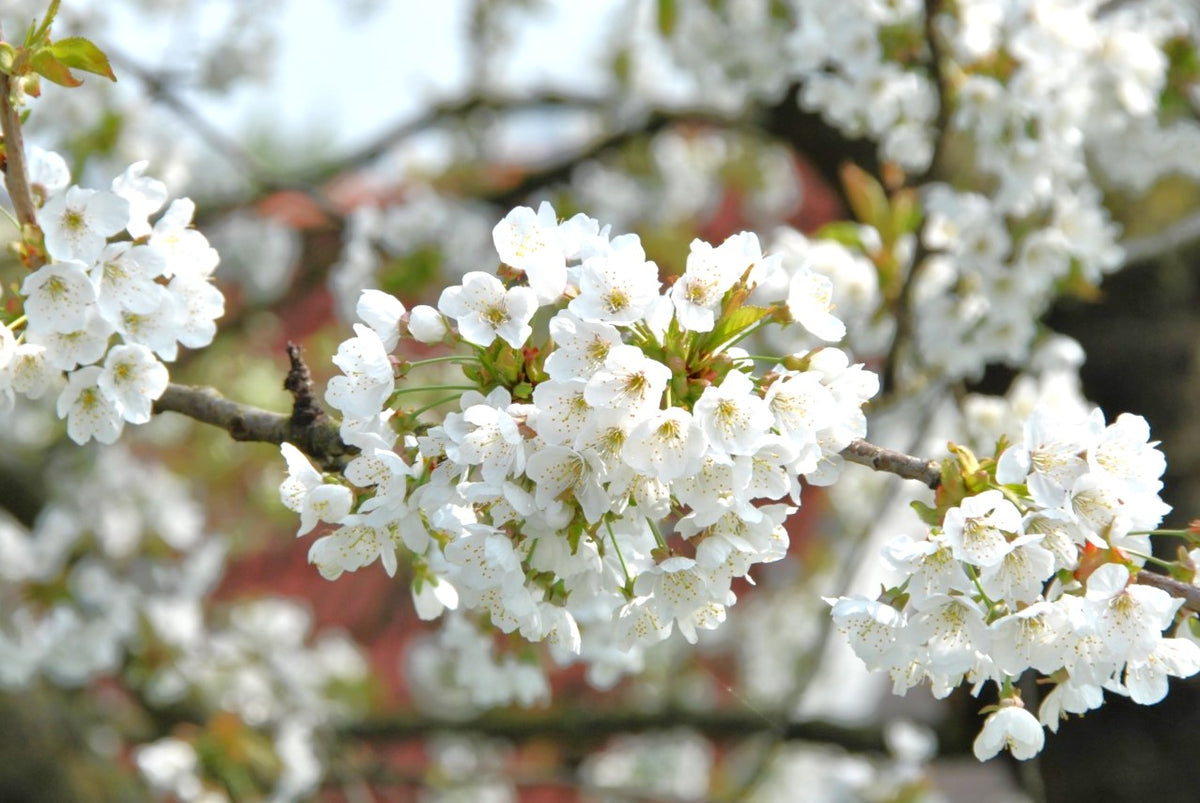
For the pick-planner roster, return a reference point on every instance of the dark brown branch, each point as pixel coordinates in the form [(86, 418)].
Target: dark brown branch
[(1189, 593), (450, 111), (903, 465), (584, 728), (941, 83), (320, 439), (306, 410), (159, 88), (902, 305), (559, 169)]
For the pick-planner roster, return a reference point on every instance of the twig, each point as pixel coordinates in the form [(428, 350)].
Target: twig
[(903, 465), (159, 89), (16, 175), (941, 84), (306, 410), (579, 727), (445, 112), (902, 304), (320, 439), (1180, 235), (1189, 593)]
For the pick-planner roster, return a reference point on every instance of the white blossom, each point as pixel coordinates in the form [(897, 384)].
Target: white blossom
[(485, 310), (1010, 728)]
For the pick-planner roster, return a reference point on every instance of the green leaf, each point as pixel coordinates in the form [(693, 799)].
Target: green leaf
[(731, 325), (46, 65), (44, 28), (866, 196), (927, 514), (845, 232), (906, 213), (80, 53), (668, 16), (8, 58)]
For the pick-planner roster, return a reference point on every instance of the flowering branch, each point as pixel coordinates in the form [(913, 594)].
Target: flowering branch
[(929, 472)]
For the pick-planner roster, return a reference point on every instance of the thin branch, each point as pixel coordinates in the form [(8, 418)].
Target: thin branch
[(587, 728), (1180, 235), (1189, 593), (941, 83), (929, 472), (306, 410), (159, 88), (902, 304), (16, 175), (449, 111), (320, 439)]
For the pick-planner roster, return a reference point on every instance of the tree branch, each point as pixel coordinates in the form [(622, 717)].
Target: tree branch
[(1189, 593), (16, 176), (588, 728), (445, 112), (902, 306), (929, 472), (317, 437)]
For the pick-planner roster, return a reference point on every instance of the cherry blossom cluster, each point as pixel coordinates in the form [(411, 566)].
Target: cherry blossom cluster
[(116, 297), (1048, 96), (1030, 566), (617, 460)]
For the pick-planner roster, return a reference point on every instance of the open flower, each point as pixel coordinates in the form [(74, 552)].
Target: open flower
[(485, 310), (1010, 728)]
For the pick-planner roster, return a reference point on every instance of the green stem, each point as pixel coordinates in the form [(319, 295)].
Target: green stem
[(1166, 564), (461, 358), (612, 536), (658, 538), (1180, 533), (424, 388), (979, 586), (430, 406)]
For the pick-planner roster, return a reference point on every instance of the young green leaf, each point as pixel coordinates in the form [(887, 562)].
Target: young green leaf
[(46, 65), (82, 54)]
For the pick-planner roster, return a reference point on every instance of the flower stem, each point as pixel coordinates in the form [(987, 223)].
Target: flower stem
[(612, 536), (461, 358), (423, 388), (979, 586), (1166, 564), (658, 538), (431, 405)]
